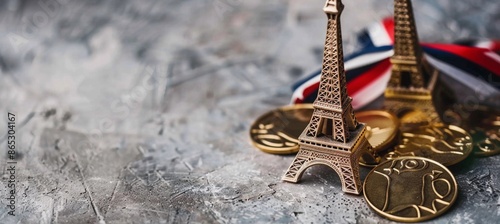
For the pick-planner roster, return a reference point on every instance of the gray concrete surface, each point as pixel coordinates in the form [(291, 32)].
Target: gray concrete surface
[(138, 111)]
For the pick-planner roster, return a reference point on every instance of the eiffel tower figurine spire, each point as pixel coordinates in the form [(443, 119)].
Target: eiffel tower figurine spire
[(333, 137), (409, 91)]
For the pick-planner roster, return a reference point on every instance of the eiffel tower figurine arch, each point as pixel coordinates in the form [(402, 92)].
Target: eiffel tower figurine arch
[(333, 137), (409, 92)]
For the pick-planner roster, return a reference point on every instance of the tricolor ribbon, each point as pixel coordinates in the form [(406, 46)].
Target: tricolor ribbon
[(472, 63)]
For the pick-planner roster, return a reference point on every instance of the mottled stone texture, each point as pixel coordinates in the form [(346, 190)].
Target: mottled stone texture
[(138, 111)]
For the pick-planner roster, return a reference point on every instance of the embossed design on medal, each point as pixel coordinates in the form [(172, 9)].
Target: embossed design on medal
[(409, 92), (333, 136), (447, 145), (410, 189), (486, 137), (277, 131)]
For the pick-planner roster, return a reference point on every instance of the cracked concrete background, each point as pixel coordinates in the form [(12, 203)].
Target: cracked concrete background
[(138, 111)]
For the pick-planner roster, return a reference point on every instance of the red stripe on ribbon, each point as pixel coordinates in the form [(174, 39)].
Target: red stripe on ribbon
[(388, 23), (495, 45), (371, 75)]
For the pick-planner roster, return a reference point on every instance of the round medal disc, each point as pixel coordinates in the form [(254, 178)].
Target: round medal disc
[(277, 131), (410, 189), (382, 128), (446, 144), (483, 124), (486, 137)]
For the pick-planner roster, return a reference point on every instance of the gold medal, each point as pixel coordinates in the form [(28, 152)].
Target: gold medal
[(446, 144), (382, 128), (483, 124), (277, 131), (486, 137), (410, 189), (485, 146)]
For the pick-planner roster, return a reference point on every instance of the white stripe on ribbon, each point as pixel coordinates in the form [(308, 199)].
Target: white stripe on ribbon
[(379, 35), (481, 87), (493, 56), (488, 44), (366, 59)]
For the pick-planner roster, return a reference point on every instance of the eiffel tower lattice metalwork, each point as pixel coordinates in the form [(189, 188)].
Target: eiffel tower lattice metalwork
[(412, 79), (333, 136)]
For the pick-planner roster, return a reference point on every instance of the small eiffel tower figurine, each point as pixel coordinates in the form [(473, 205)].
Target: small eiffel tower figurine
[(333, 137), (409, 91)]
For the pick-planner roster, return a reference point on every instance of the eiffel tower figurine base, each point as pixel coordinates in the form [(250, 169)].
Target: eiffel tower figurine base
[(341, 157)]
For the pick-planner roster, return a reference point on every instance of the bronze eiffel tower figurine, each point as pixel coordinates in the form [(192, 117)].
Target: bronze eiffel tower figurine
[(409, 92), (333, 137)]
